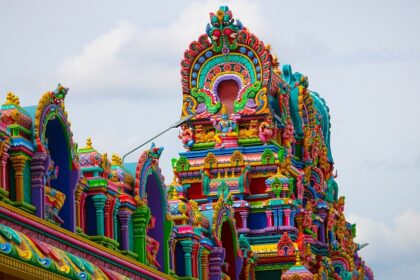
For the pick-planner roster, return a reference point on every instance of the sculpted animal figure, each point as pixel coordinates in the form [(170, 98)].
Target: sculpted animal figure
[(251, 132)]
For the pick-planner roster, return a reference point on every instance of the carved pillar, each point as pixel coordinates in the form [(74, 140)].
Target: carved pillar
[(3, 164), (292, 217), (78, 198), (115, 214), (280, 217), (287, 216), (194, 259), (216, 259), (269, 214), (107, 217), (141, 217), (244, 218), (82, 211), (18, 163), (171, 250), (124, 218), (99, 201), (38, 168), (204, 264), (275, 217), (187, 246)]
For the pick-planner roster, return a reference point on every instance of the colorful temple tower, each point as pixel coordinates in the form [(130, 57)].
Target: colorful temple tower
[(255, 189), (253, 195)]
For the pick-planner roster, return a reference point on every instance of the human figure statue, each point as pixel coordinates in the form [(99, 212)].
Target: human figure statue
[(267, 130), (225, 127), (288, 138), (187, 136)]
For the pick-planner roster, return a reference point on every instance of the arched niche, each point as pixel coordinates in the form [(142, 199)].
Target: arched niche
[(54, 163), (227, 90), (225, 235), (228, 240), (150, 187)]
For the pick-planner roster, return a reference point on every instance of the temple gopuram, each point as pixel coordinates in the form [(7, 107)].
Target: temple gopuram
[(253, 194)]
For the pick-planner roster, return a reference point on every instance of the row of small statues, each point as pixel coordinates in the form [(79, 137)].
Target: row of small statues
[(225, 127)]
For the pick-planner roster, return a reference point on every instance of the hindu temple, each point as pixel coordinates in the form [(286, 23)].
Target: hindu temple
[(253, 193)]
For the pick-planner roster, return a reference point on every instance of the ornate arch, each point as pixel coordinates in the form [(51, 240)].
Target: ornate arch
[(150, 188), (61, 152), (207, 63), (342, 260), (50, 107)]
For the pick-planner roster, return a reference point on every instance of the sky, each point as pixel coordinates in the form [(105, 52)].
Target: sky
[(121, 61)]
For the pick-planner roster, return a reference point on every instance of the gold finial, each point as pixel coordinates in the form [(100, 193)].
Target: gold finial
[(223, 110), (116, 160), (89, 143), (226, 173), (219, 174), (233, 173), (268, 47), (12, 99)]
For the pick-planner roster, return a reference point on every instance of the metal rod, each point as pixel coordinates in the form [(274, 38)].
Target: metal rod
[(177, 124)]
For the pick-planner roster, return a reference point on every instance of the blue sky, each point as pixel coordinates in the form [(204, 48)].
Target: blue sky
[(121, 62)]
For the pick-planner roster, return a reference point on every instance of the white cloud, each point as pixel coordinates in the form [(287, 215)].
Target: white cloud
[(393, 247), (131, 58), (97, 63)]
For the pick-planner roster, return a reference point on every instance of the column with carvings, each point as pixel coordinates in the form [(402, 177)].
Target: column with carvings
[(99, 200), (187, 246), (124, 219), (292, 217), (78, 198), (115, 221), (18, 163), (38, 169), (244, 219), (204, 264), (107, 216), (287, 216), (216, 259), (141, 217), (4, 147), (269, 214), (280, 217), (82, 211), (195, 259)]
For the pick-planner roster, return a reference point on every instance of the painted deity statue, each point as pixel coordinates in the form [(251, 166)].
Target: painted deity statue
[(54, 199), (288, 138), (187, 136), (267, 130), (225, 126)]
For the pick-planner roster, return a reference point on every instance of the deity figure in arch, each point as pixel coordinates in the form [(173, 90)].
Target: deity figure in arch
[(225, 126)]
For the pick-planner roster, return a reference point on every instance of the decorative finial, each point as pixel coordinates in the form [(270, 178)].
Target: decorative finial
[(116, 160), (223, 110), (89, 143), (12, 99)]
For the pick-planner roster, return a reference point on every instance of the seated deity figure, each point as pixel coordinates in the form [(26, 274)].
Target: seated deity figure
[(267, 130), (225, 126), (187, 136), (54, 199)]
